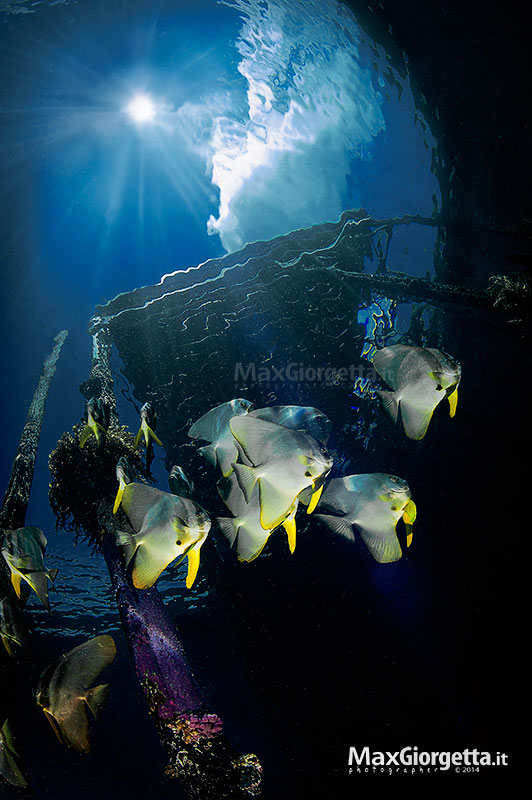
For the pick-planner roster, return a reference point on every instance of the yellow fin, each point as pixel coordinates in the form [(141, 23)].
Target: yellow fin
[(153, 436), (314, 500), (85, 435), (193, 565), (138, 437), (118, 499), (16, 577), (453, 401), (409, 535), (290, 527), (6, 642), (53, 723), (410, 511)]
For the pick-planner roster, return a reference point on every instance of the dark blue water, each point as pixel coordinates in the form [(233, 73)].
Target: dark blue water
[(268, 117)]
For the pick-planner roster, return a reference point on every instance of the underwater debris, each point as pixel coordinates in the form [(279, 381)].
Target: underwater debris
[(511, 295), (82, 478)]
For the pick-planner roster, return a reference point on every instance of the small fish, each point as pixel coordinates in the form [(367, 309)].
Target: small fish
[(213, 427), (420, 377), (23, 550), (124, 475), (304, 419), (63, 691), (13, 628), (167, 527), (282, 461), (179, 483), (9, 768), (148, 423), (97, 421), (374, 503), (244, 528)]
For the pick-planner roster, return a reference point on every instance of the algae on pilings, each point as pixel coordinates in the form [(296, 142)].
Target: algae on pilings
[(199, 754), (17, 496)]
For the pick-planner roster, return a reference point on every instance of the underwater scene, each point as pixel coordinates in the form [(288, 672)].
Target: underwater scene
[(265, 276)]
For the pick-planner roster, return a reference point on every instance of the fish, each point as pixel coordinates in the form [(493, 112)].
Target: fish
[(244, 530), (13, 628), (374, 503), (148, 423), (63, 691), (283, 462), (420, 378), (213, 427), (167, 527), (9, 769), (97, 421), (298, 418), (124, 475), (23, 549), (179, 483)]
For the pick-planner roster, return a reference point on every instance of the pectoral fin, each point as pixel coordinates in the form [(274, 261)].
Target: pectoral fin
[(453, 401)]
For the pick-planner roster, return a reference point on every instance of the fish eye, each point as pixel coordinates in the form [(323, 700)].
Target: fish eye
[(439, 387), (308, 474), (179, 542), (243, 403), (199, 513)]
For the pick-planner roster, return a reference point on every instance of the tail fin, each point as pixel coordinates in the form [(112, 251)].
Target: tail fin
[(96, 698), (228, 528), (128, 544), (154, 436), (9, 768), (337, 524), (390, 404), (247, 479), (52, 574), (85, 435)]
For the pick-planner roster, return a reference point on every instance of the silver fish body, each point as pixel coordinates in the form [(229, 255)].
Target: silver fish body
[(373, 503), (167, 528), (63, 691), (304, 419), (420, 378), (23, 550)]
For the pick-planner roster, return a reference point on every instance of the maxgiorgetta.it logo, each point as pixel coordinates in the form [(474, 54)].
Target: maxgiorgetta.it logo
[(412, 759)]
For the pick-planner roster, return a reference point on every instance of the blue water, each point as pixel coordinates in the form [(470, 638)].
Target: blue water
[(268, 117)]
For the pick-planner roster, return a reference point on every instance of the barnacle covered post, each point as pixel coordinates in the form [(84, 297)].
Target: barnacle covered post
[(17, 496), (199, 754)]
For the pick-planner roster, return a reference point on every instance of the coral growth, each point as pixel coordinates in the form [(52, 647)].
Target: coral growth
[(82, 478)]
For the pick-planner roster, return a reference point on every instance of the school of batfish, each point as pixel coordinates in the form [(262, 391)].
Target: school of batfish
[(269, 461)]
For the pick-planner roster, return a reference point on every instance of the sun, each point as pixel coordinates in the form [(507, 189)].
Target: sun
[(141, 109)]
